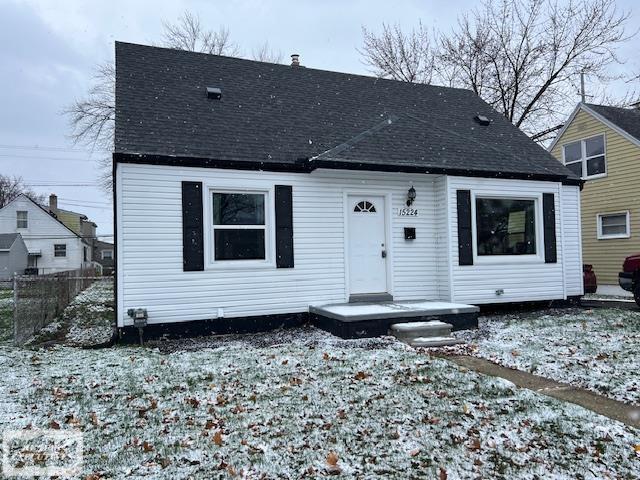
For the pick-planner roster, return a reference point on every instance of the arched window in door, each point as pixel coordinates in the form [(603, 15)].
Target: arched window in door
[(364, 207)]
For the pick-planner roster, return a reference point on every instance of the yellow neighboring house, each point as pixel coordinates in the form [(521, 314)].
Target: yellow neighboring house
[(602, 145)]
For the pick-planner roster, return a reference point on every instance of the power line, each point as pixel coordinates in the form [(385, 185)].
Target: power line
[(61, 184), (96, 207), (32, 157), (48, 148), (36, 236), (76, 200)]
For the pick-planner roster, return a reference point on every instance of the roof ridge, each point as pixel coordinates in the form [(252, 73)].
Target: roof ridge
[(303, 67)]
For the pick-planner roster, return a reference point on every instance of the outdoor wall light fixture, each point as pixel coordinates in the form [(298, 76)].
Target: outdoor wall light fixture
[(411, 196)]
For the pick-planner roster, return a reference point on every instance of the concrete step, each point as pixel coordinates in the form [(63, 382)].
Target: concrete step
[(426, 342), (411, 330)]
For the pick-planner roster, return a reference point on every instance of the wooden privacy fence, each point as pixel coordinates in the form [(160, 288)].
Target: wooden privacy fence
[(40, 299)]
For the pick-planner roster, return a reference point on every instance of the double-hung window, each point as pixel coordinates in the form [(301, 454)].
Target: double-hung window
[(22, 220), (60, 250), (614, 225), (586, 158), (239, 225), (107, 254), (505, 226)]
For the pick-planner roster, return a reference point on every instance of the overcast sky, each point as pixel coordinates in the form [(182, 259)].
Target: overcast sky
[(48, 50)]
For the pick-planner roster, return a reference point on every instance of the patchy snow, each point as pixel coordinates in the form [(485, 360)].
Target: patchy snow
[(302, 404), (6, 314), (91, 316), (593, 349), (88, 321)]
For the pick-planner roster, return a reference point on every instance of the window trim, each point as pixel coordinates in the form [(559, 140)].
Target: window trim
[(26, 219), (269, 230), (584, 159), (538, 257), (102, 252), (54, 250), (602, 236)]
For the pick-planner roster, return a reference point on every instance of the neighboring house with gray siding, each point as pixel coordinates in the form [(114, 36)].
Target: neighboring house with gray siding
[(13, 255), (103, 253)]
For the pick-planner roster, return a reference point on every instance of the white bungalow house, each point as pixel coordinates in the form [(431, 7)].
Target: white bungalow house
[(53, 247), (249, 194)]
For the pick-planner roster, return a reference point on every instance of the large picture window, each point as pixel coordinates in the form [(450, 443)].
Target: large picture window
[(239, 228), (505, 226), (586, 158)]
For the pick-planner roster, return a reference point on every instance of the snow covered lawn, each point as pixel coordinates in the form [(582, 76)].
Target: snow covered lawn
[(302, 404), (594, 349), (91, 316), (89, 320), (6, 314)]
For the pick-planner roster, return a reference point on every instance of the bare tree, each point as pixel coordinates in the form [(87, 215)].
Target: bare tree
[(92, 118), (267, 54), (402, 56), (189, 34), (522, 57), (11, 187)]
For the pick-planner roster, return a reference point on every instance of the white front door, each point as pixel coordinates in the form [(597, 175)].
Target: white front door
[(367, 244)]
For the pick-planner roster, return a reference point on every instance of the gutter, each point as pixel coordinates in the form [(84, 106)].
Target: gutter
[(308, 165)]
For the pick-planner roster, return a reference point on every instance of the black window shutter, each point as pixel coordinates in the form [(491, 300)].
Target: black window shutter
[(465, 247), (549, 216), (284, 226), (192, 229)]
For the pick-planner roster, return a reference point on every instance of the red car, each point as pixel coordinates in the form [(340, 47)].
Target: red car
[(629, 278), (589, 279)]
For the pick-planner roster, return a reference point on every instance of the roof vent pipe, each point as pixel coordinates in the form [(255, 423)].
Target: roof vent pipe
[(295, 60), (214, 93), (482, 120)]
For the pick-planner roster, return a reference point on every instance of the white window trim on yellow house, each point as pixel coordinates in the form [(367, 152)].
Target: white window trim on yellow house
[(602, 236), (584, 159)]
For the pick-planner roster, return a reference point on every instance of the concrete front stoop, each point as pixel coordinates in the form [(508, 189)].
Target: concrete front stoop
[(424, 334)]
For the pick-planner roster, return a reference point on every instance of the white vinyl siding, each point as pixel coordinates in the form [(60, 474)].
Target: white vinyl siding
[(150, 269), (150, 244), (513, 281), (571, 240), (42, 233)]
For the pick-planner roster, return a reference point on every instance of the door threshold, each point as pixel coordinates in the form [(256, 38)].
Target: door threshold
[(370, 297)]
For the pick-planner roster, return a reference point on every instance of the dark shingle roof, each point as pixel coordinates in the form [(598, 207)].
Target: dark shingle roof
[(628, 119), (7, 239), (283, 114)]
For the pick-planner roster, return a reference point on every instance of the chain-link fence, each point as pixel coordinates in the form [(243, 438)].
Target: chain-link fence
[(39, 300)]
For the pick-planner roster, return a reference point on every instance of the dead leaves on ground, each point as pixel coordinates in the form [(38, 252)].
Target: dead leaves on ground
[(332, 464)]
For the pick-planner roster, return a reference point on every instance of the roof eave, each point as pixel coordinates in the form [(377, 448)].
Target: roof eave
[(306, 165)]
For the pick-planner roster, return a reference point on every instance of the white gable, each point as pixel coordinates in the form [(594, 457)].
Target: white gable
[(43, 231)]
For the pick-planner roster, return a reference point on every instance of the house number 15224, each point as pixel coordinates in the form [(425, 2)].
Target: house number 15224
[(408, 212)]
